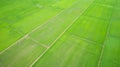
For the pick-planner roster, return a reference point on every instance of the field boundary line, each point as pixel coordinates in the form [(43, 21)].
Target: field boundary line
[(103, 46), (31, 32), (43, 45), (86, 39), (107, 34), (58, 37)]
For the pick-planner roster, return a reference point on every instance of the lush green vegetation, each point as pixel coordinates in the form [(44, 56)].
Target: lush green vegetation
[(60, 33)]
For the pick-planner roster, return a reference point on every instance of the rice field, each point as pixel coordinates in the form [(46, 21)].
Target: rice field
[(60, 33)]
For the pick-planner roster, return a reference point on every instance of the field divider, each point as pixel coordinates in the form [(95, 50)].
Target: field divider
[(58, 37), (86, 39), (13, 44), (43, 45), (30, 32), (106, 37)]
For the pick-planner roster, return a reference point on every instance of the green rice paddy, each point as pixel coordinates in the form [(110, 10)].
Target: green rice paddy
[(60, 33)]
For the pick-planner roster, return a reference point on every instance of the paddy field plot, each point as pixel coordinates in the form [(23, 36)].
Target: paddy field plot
[(60, 33)]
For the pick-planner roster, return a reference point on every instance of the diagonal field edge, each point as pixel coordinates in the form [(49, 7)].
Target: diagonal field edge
[(30, 32), (88, 40), (43, 45), (107, 34), (58, 37)]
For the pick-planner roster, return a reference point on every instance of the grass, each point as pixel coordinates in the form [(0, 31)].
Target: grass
[(60, 33)]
